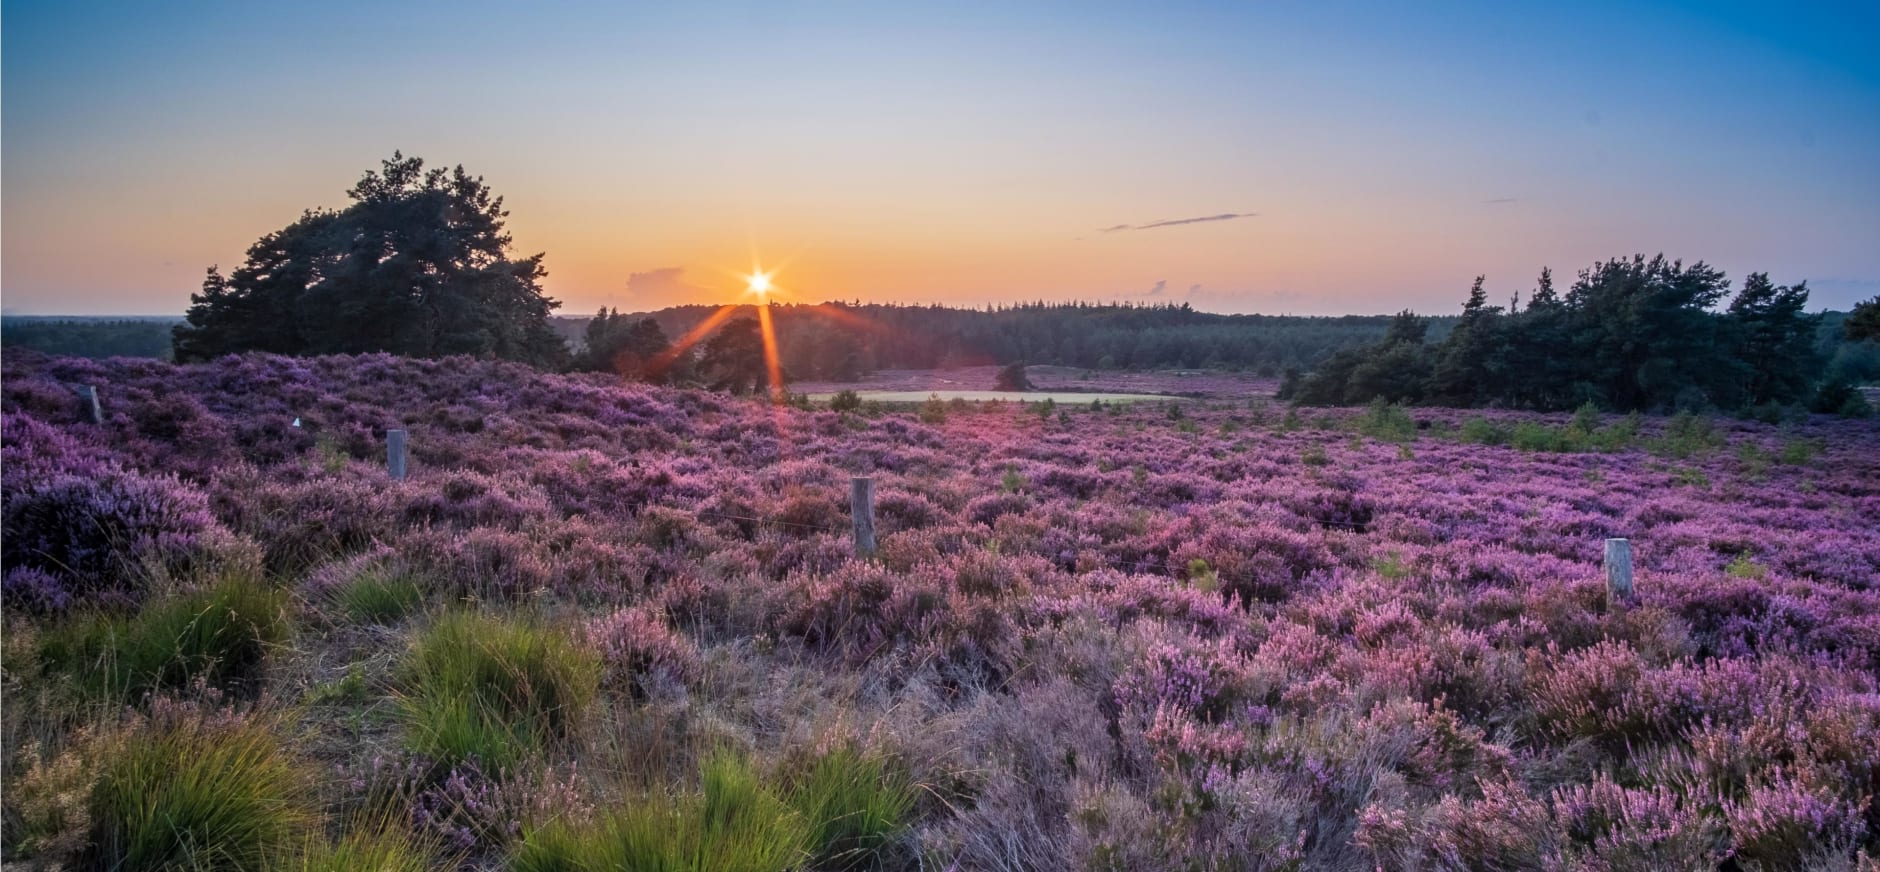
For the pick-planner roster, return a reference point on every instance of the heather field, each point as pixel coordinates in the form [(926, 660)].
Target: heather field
[(607, 626)]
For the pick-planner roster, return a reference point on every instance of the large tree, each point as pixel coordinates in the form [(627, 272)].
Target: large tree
[(419, 265), (1863, 322)]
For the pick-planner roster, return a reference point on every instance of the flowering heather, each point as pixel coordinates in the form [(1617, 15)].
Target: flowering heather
[(1116, 637)]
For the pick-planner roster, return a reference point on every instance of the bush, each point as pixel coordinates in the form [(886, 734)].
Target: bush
[(855, 805), (845, 401), (737, 823), (200, 792), (493, 691), (934, 411), (93, 532), (1387, 422), (220, 636)]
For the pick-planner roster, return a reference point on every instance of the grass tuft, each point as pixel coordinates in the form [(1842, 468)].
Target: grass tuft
[(205, 793), (736, 823), (494, 690), (380, 595), (855, 804), (219, 636)]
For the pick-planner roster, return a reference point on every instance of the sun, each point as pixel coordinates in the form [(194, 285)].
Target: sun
[(759, 283)]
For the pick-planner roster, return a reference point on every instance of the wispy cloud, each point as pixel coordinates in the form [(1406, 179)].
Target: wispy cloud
[(1504, 200), (1161, 287), (1177, 222), (659, 288)]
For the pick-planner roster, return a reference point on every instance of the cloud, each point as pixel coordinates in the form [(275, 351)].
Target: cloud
[(1157, 291), (659, 288), (1177, 222), (1194, 290), (1504, 200)]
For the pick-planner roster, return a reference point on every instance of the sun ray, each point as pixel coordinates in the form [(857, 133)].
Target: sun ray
[(692, 337)]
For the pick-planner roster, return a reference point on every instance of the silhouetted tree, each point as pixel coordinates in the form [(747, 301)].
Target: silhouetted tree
[(418, 265), (734, 358), (1774, 340), (625, 345)]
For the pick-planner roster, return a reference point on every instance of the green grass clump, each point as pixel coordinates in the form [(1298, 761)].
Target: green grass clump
[(220, 635), (205, 794), (855, 804), (1387, 422), (736, 823), (381, 847), (380, 595), (494, 690)]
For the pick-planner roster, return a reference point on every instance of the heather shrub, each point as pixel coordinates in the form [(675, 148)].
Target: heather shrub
[(100, 532), (1606, 825), (189, 789), (219, 636), (637, 645), (493, 690)]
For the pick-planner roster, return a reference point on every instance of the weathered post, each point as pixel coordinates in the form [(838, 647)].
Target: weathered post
[(395, 454), (88, 404), (1619, 572), (862, 511)]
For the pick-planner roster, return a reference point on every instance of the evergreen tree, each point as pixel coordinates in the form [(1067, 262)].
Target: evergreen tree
[(418, 265), (1864, 322), (1774, 339), (734, 359)]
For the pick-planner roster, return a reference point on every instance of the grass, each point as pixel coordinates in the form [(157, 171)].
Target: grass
[(374, 847), (855, 805), (205, 794), (379, 595), (735, 823), (220, 635), (494, 690)]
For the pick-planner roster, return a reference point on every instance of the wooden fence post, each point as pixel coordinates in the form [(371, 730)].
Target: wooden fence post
[(1619, 571), (88, 404), (395, 454), (862, 511)]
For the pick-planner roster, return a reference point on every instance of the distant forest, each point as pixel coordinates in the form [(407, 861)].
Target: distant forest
[(89, 337), (843, 341)]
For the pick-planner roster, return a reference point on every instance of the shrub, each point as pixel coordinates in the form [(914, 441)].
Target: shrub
[(846, 401), (94, 532), (198, 791), (1387, 422), (934, 411), (736, 823), (494, 690), (854, 804), (219, 636)]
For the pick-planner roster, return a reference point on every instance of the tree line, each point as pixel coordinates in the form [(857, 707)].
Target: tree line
[(1635, 333), (419, 264)]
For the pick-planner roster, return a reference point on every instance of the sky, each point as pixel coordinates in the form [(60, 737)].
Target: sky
[(1279, 157)]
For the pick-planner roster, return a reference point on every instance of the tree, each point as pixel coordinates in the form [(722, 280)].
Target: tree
[(625, 346), (1864, 322), (418, 265), (1466, 370), (734, 358), (1774, 340), (1012, 378)]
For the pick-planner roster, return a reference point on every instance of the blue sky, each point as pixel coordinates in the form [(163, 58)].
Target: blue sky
[(1381, 154)]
